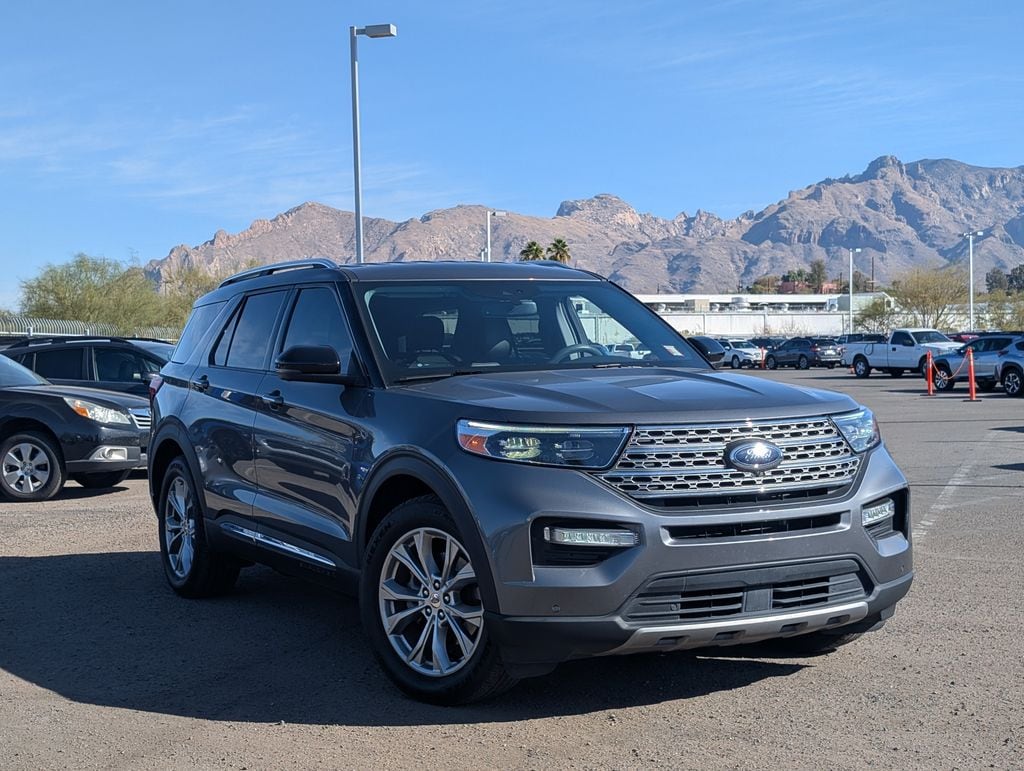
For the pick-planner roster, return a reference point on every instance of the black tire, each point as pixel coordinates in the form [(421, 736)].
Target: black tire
[(861, 368), (735, 362), (101, 481), (771, 363), (803, 363), (896, 372), (922, 367), (481, 674), (831, 366), (1013, 382), (208, 573), (944, 380), (27, 458)]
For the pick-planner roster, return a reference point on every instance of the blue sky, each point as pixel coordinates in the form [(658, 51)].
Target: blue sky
[(127, 128)]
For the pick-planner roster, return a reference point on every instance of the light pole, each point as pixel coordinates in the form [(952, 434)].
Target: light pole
[(970, 275), (373, 30), (492, 213), (850, 287)]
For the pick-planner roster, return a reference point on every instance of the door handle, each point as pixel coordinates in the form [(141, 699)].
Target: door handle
[(201, 383), (272, 400)]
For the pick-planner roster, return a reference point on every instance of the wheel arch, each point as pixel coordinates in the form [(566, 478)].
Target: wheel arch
[(15, 423), (404, 476), (170, 442)]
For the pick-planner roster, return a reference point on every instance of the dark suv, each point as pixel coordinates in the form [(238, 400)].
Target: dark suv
[(804, 352), (462, 442), (111, 363)]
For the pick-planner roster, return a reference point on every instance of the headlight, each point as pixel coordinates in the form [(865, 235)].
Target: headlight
[(859, 428), (97, 412), (584, 447)]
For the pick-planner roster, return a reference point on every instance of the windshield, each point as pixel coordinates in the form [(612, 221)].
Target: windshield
[(435, 329), (743, 344), (824, 341), (13, 374), (931, 336)]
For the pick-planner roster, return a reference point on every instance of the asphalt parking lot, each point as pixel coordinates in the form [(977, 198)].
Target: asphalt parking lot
[(102, 666)]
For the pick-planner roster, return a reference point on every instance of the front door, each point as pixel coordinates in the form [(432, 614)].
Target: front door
[(306, 438)]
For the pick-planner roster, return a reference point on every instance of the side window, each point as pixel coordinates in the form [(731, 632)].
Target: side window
[(316, 320), (253, 331), (118, 365), (198, 323), (998, 343), (219, 354), (902, 338), (63, 364)]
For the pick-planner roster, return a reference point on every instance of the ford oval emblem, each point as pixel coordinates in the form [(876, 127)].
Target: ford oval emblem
[(756, 456)]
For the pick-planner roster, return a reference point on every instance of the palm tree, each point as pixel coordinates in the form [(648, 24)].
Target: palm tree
[(559, 251), (532, 251)]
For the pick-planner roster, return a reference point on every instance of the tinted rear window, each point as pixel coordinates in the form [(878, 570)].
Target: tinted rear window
[(198, 324), (252, 334), (63, 364)]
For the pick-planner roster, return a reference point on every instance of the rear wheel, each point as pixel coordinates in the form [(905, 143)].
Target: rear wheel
[(421, 607), (192, 568), (803, 363), (922, 366), (31, 467), (101, 481), (1013, 382), (861, 368), (771, 363)]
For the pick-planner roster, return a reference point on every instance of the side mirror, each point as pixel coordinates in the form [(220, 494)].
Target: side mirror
[(313, 364)]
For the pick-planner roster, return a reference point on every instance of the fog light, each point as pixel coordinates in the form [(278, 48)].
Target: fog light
[(877, 512), (586, 536), (109, 453)]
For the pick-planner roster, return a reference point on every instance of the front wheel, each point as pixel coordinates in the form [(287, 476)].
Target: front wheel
[(101, 481), (192, 568), (803, 362), (770, 362), (31, 468), (1013, 382), (944, 379), (735, 363), (421, 607)]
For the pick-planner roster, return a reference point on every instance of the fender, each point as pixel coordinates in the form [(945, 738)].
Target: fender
[(172, 428), (408, 461)]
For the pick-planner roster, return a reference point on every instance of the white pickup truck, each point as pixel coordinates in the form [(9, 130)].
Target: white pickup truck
[(906, 350)]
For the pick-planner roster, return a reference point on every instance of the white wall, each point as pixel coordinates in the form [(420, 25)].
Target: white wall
[(753, 324)]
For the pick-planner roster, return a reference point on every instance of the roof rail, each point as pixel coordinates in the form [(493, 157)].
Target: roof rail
[(23, 342), (278, 267)]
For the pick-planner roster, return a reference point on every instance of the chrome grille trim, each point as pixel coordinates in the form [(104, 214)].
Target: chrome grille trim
[(141, 417), (689, 460)]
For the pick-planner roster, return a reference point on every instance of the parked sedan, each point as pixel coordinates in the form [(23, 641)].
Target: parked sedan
[(740, 353), (951, 368), (51, 433), (805, 352)]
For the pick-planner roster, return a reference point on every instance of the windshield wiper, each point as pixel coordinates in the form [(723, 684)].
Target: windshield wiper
[(619, 364), (438, 375)]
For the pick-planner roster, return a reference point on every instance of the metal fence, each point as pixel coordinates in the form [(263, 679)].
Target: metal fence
[(27, 326)]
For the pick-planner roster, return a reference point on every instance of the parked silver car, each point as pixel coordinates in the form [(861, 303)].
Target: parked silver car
[(740, 353), (951, 368), (1010, 369)]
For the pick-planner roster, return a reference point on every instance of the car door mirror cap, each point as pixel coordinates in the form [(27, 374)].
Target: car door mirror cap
[(313, 364)]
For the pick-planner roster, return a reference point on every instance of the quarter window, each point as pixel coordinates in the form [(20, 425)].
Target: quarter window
[(199, 322)]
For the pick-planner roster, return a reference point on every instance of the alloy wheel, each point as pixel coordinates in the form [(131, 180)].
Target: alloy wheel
[(1013, 383), (26, 468), (179, 528), (429, 602)]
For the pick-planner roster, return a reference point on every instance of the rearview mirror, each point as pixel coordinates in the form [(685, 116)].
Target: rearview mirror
[(313, 364)]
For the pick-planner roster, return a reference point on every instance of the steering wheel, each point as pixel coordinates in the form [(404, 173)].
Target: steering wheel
[(569, 350)]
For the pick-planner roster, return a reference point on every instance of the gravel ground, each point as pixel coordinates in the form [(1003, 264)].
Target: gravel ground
[(101, 666)]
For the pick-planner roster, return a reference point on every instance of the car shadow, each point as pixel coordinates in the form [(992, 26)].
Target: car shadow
[(72, 491), (105, 629), (1010, 466)]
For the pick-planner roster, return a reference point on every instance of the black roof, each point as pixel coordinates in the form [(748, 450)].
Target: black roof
[(308, 271)]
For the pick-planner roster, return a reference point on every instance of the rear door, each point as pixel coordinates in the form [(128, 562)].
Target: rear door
[(221, 408), (306, 440), (62, 365)]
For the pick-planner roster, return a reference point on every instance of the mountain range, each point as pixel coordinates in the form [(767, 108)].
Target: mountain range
[(901, 215)]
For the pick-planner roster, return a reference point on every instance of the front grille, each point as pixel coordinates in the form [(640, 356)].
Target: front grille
[(141, 417), (766, 527), (749, 592), (688, 461)]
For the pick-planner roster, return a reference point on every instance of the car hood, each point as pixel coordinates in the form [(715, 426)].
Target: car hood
[(106, 398), (945, 347), (628, 395)]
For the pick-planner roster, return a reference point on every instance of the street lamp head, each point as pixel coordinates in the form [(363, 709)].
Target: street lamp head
[(378, 30), (973, 233), (496, 213), (857, 250)]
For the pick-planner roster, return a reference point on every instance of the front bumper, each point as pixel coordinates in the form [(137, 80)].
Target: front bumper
[(547, 614), (83, 445)]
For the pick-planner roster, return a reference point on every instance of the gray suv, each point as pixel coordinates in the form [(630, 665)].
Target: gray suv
[(463, 446)]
